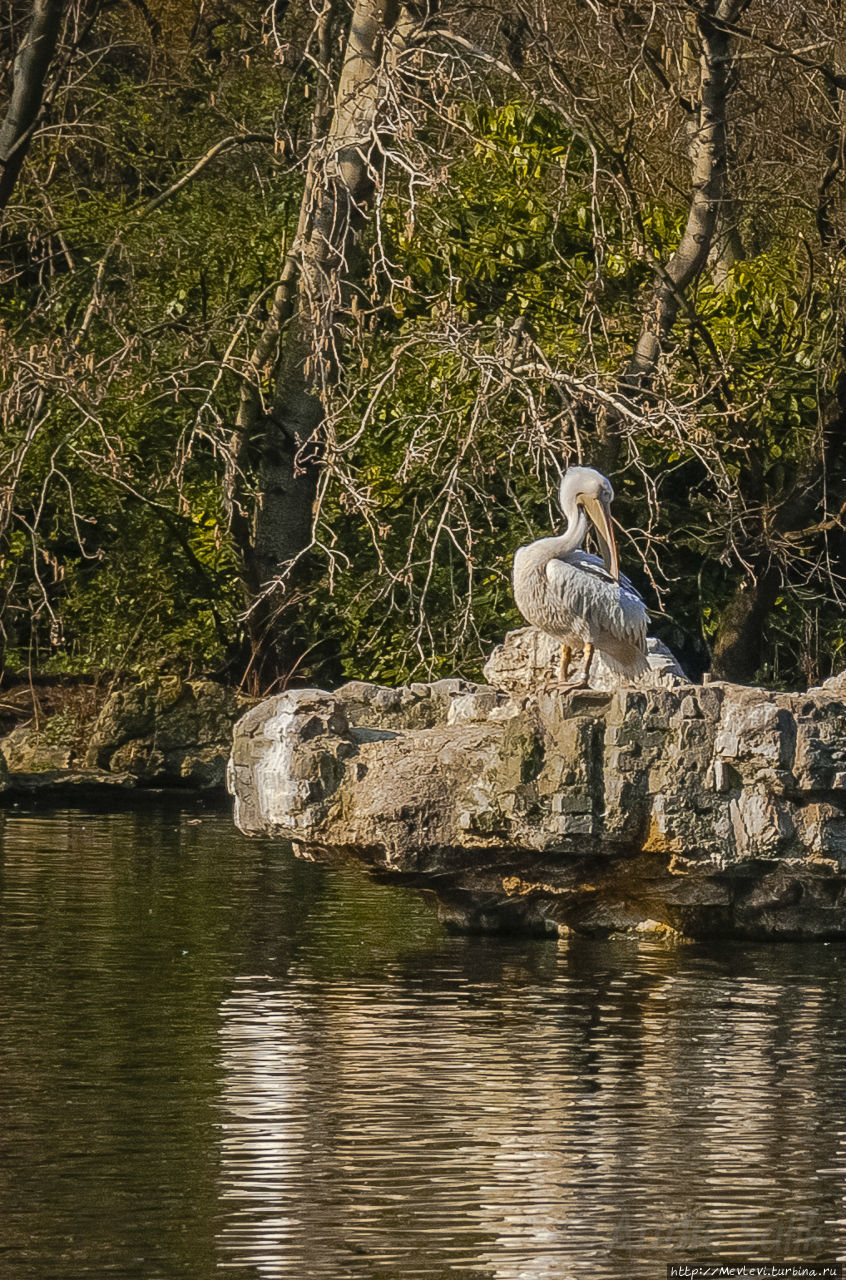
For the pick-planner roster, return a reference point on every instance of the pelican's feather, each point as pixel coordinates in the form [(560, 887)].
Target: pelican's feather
[(575, 596)]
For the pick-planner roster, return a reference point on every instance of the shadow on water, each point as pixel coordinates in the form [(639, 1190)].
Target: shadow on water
[(216, 1058)]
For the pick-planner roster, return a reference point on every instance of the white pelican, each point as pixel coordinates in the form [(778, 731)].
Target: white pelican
[(578, 598)]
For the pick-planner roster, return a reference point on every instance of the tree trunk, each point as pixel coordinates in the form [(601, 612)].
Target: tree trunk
[(739, 646), (31, 66), (708, 158), (727, 248), (828, 224), (302, 343), (706, 65)]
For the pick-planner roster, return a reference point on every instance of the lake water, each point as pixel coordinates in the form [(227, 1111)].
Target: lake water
[(215, 1059)]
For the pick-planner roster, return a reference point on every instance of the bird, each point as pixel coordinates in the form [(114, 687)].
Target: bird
[(580, 599)]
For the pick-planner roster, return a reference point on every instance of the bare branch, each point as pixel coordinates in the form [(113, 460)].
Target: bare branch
[(31, 67)]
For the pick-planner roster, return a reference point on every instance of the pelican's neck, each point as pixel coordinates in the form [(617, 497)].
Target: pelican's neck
[(574, 535), (538, 554), (552, 548)]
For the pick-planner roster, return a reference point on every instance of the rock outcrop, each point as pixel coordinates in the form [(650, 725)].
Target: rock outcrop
[(694, 810), (165, 733), (528, 657), (170, 733)]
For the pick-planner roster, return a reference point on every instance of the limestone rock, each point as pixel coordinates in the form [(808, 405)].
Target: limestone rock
[(31, 750), (418, 706), (834, 685), (68, 784), (170, 733), (695, 810), (528, 657)]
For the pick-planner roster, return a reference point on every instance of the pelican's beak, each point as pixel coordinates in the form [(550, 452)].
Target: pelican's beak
[(599, 511)]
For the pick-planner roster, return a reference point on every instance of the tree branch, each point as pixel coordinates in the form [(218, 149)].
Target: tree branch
[(225, 144), (31, 67)]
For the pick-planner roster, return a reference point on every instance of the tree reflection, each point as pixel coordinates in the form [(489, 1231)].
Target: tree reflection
[(468, 1111)]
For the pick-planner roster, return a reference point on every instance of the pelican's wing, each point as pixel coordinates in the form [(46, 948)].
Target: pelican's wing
[(584, 586), (592, 564)]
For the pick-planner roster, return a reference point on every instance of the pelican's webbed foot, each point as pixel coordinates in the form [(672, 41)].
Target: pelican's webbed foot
[(566, 686), (562, 684)]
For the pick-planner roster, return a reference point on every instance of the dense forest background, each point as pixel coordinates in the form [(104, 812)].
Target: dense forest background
[(304, 307)]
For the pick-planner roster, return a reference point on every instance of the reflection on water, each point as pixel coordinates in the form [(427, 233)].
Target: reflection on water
[(216, 1058)]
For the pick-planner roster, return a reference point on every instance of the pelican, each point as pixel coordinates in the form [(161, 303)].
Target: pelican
[(578, 598)]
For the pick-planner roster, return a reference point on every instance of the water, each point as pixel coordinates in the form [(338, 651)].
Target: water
[(215, 1059)]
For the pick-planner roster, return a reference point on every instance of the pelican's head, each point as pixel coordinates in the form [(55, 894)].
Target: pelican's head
[(584, 487)]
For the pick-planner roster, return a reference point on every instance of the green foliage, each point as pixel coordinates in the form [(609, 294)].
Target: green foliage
[(515, 233), (118, 555)]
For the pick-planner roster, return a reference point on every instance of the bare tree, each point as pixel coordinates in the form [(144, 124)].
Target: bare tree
[(706, 67), (672, 133), (30, 74), (301, 347)]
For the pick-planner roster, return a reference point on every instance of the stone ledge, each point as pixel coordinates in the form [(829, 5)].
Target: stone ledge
[(156, 733), (695, 810)]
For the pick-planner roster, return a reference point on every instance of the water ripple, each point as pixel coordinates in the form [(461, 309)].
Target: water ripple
[(215, 1058)]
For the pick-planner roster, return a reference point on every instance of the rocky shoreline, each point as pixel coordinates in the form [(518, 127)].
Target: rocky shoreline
[(166, 734), (666, 808), (671, 808)]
